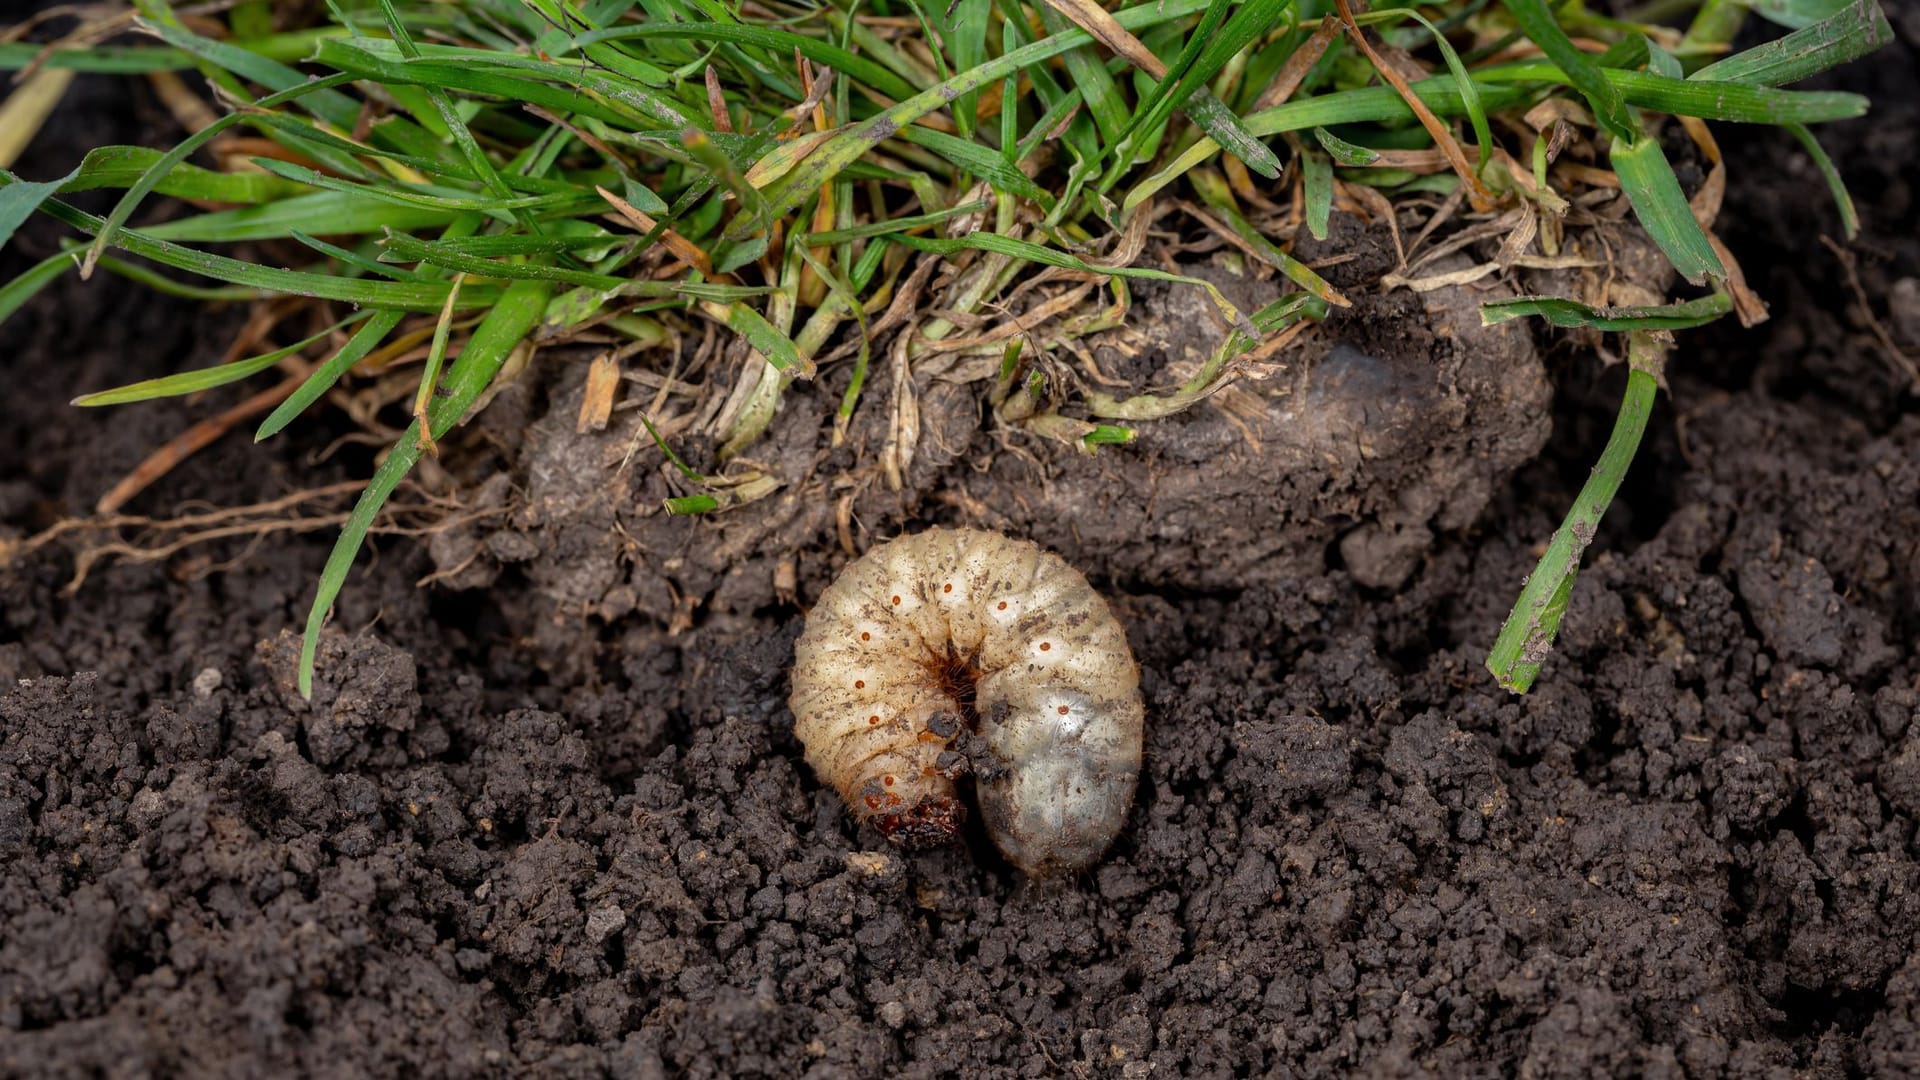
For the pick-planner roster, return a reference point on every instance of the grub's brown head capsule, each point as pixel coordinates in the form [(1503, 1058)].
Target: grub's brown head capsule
[(1009, 639)]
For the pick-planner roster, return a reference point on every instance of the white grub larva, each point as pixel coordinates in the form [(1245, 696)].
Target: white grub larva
[(957, 651)]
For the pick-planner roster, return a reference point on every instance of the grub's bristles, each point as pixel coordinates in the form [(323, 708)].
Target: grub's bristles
[(959, 651)]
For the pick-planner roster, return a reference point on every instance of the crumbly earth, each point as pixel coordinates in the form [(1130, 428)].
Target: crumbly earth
[(532, 827)]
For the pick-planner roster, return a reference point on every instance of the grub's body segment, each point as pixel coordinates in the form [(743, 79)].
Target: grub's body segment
[(907, 632)]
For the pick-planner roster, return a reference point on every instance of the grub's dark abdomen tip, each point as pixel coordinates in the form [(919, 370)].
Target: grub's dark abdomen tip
[(932, 822)]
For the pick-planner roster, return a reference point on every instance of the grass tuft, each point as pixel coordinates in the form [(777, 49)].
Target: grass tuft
[(484, 180)]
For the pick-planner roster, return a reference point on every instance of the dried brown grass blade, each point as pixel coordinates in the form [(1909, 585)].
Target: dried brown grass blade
[(25, 111), (1477, 192), (1294, 71), (1107, 30), (681, 247), (717, 103), (596, 406)]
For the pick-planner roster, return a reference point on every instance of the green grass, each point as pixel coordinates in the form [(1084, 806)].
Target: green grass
[(508, 175), (1528, 634)]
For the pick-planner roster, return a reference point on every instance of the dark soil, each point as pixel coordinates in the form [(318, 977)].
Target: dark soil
[(548, 816)]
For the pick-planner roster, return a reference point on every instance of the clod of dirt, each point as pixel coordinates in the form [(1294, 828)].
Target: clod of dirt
[(595, 547), (1397, 418), (1292, 759), (360, 684), (1793, 601)]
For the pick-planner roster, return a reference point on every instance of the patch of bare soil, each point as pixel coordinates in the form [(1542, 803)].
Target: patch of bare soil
[(547, 817)]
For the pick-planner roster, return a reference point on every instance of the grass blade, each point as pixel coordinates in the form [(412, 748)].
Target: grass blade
[(1849, 217), (148, 180), (28, 285), (766, 338), (501, 205), (360, 262), (323, 213), (515, 314), (192, 382), (1218, 196), (1091, 77), (357, 347), (1736, 103), (96, 59), (123, 166), (1253, 19), (1846, 36), (1649, 183), (1527, 637), (166, 286), (963, 29), (403, 248), (894, 225), (1540, 27), (489, 79), (1204, 109), (979, 161), (20, 198), (521, 78), (165, 163), (1793, 14), (842, 150), (1154, 109), (324, 102), (450, 121), (781, 43), (1344, 153), (1316, 179), (1369, 104), (1571, 314), (406, 295), (1469, 91)]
